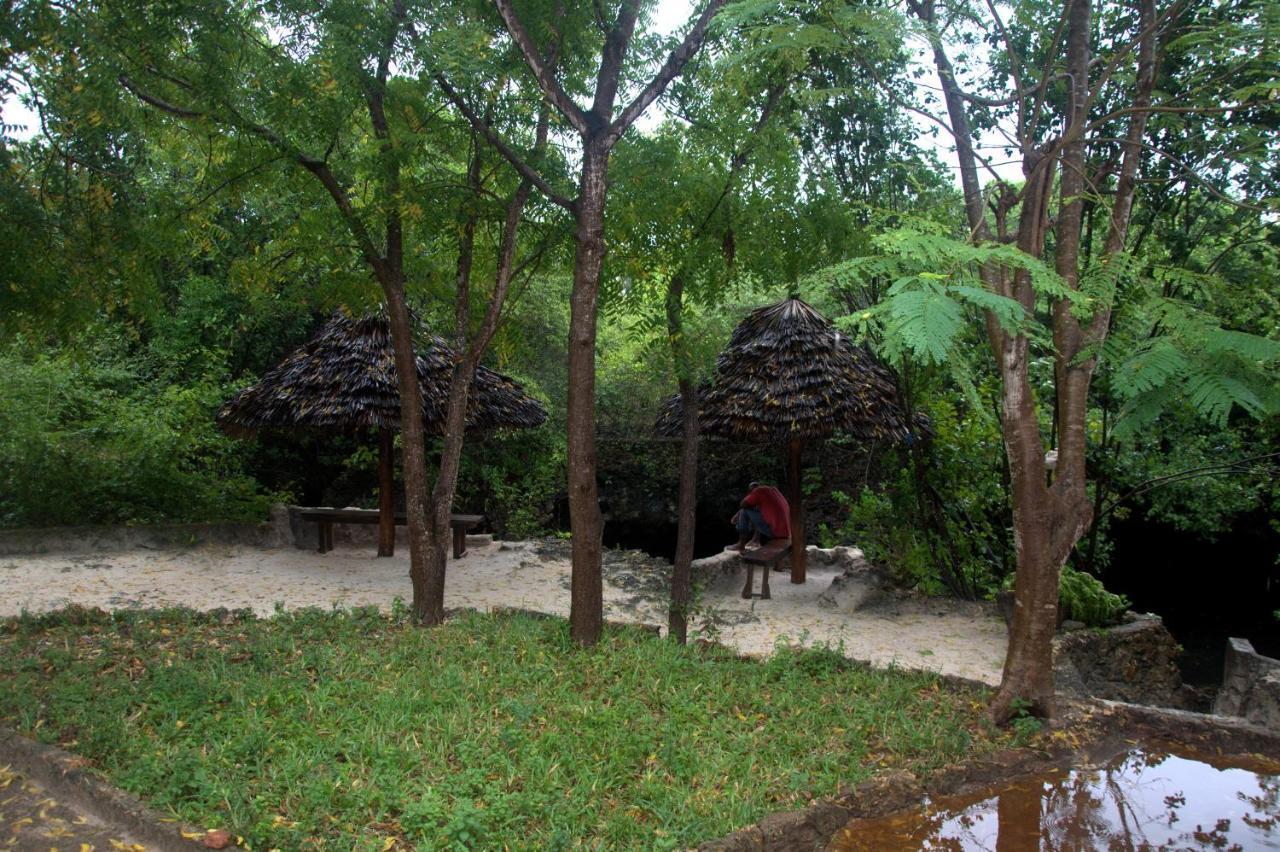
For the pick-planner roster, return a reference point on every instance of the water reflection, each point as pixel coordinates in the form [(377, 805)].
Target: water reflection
[(1140, 800)]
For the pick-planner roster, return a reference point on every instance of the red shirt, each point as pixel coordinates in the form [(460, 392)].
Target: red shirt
[(773, 507)]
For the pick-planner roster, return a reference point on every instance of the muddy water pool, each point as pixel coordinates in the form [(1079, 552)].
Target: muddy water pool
[(1138, 799)]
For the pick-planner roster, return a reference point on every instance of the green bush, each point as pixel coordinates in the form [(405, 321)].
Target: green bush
[(876, 526), (1086, 600), (1083, 598), (514, 479), (948, 531), (89, 437)]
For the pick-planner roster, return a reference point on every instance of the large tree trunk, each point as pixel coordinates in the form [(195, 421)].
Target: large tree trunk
[(1048, 520), (586, 606), (469, 350), (424, 575), (599, 131), (1027, 681)]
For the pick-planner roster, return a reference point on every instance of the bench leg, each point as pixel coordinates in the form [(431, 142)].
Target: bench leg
[(459, 542), (751, 579), (764, 584), (324, 536)]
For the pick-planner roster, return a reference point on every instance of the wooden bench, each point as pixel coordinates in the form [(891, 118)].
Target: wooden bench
[(768, 556), (326, 518)]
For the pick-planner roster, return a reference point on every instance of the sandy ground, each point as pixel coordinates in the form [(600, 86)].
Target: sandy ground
[(951, 637)]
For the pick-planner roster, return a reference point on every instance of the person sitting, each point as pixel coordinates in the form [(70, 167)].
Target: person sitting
[(764, 515)]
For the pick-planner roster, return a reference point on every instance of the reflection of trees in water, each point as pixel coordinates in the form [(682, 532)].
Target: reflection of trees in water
[(1135, 803), (1266, 804), (1122, 806)]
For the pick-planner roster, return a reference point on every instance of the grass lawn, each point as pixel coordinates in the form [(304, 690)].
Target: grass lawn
[(356, 730)]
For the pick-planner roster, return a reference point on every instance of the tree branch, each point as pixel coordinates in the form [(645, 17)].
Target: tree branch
[(542, 70), (670, 70), (616, 41), (526, 171)]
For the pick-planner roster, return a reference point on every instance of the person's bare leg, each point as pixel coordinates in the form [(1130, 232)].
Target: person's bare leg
[(741, 545)]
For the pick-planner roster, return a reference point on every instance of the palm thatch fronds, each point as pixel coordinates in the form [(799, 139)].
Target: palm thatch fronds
[(344, 380), (788, 373)]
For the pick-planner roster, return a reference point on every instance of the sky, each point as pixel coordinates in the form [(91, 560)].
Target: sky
[(670, 16)]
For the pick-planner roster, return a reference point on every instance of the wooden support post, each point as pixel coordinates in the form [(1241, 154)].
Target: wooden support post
[(386, 494), (796, 499)]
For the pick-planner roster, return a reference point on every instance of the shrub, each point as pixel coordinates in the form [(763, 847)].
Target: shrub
[(89, 437), (1086, 600)]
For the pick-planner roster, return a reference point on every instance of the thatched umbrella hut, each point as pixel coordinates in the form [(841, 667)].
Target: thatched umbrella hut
[(344, 380), (788, 376)]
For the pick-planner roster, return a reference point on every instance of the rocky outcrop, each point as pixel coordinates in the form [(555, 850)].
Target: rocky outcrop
[(1135, 662), (861, 584), (1250, 686)]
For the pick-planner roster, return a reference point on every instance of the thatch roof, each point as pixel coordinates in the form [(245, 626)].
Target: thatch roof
[(344, 380), (787, 372)]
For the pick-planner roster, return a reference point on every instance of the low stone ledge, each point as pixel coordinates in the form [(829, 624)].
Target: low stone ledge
[(1228, 734), (64, 777), (37, 541)]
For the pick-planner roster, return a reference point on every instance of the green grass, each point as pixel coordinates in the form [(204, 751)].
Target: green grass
[(356, 730)]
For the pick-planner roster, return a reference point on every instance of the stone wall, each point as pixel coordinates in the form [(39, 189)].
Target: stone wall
[(283, 528), (1135, 662), (1250, 686), (275, 532)]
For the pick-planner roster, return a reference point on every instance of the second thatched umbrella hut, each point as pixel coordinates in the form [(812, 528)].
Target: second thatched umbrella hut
[(344, 380), (787, 377)]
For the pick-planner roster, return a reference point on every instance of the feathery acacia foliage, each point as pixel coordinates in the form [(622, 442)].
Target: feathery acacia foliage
[(1162, 347), (1165, 349)]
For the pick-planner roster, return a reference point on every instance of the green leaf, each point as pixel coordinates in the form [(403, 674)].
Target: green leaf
[(927, 321)]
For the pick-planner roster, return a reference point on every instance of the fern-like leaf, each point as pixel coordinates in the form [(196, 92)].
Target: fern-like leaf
[(927, 322)]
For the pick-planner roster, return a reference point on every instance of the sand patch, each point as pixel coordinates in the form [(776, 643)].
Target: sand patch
[(951, 637)]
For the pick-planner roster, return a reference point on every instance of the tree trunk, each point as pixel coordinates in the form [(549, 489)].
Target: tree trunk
[(1047, 520), (1027, 681), (386, 494), (796, 498), (682, 565), (586, 607), (424, 574), (682, 569)]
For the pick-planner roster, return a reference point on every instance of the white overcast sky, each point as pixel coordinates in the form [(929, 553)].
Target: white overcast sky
[(670, 16)]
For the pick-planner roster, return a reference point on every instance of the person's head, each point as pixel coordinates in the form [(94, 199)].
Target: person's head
[(753, 486)]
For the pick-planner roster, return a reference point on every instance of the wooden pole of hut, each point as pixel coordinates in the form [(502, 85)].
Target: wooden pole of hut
[(386, 494), (796, 499)]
